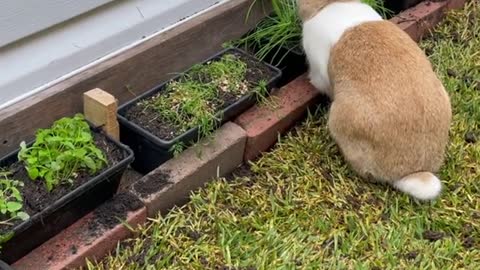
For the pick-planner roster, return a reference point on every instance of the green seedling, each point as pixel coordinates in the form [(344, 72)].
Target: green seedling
[(195, 99), (261, 92), (11, 201), (61, 152), (178, 148)]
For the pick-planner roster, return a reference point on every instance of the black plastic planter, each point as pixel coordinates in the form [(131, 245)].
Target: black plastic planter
[(151, 151), (292, 63), (400, 5), (65, 211), (288, 57)]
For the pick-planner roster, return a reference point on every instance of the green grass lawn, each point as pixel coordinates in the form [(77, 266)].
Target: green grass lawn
[(302, 207)]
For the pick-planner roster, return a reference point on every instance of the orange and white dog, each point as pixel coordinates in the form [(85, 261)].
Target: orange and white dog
[(390, 114)]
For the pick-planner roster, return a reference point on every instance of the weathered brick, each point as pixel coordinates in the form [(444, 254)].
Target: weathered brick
[(84, 239), (264, 123), (417, 21), (191, 169)]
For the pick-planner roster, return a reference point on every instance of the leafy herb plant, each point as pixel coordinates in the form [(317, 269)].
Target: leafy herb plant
[(11, 201), (282, 30), (61, 152)]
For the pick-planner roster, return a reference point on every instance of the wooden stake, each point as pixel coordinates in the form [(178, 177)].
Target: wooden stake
[(100, 108)]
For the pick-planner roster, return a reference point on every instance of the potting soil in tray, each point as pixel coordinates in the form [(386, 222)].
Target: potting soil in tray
[(34, 193), (148, 116)]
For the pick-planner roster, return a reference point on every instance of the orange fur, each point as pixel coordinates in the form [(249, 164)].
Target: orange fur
[(390, 114)]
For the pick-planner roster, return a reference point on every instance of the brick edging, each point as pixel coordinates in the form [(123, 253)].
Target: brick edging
[(419, 20), (252, 133), (86, 238)]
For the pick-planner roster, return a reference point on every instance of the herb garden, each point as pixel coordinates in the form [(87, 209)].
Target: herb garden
[(46, 185), (191, 106)]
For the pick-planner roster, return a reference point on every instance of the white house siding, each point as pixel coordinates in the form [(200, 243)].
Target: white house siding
[(28, 65), (21, 18)]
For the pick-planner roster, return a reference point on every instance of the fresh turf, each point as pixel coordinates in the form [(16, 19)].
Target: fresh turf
[(302, 207)]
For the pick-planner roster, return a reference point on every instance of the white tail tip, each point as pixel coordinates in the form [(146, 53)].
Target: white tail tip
[(423, 185)]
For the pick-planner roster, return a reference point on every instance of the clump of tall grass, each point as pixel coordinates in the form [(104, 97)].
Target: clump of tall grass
[(281, 31)]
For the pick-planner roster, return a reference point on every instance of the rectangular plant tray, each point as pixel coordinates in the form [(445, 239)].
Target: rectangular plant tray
[(400, 5), (151, 151), (65, 211)]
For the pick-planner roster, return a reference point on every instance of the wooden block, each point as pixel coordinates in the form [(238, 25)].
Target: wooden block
[(100, 108)]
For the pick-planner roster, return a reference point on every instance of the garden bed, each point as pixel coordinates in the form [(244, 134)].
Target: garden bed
[(45, 207), (37, 197), (172, 116), (233, 90)]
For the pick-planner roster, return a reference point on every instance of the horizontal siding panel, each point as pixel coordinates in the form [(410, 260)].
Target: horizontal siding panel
[(21, 18), (41, 59)]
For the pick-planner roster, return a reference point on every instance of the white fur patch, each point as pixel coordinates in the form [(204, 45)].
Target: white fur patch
[(323, 31), (423, 186)]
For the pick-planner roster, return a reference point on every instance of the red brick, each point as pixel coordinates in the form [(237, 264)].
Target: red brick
[(264, 123), (456, 4), (193, 168), (72, 246), (417, 21)]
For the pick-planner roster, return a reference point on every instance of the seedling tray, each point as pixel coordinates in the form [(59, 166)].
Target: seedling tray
[(400, 5), (151, 151), (65, 211)]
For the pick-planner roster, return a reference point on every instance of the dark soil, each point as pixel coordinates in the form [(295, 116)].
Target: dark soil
[(412, 255), (327, 174), (35, 195), (139, 257), (355, 203), (470, 137), (243, 175), (433, 235), (148, 118), (142, 257), (451, 72), (154, 182), (241, 171), (112, 213), (468, 242), (130, 176), (73, 249)]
